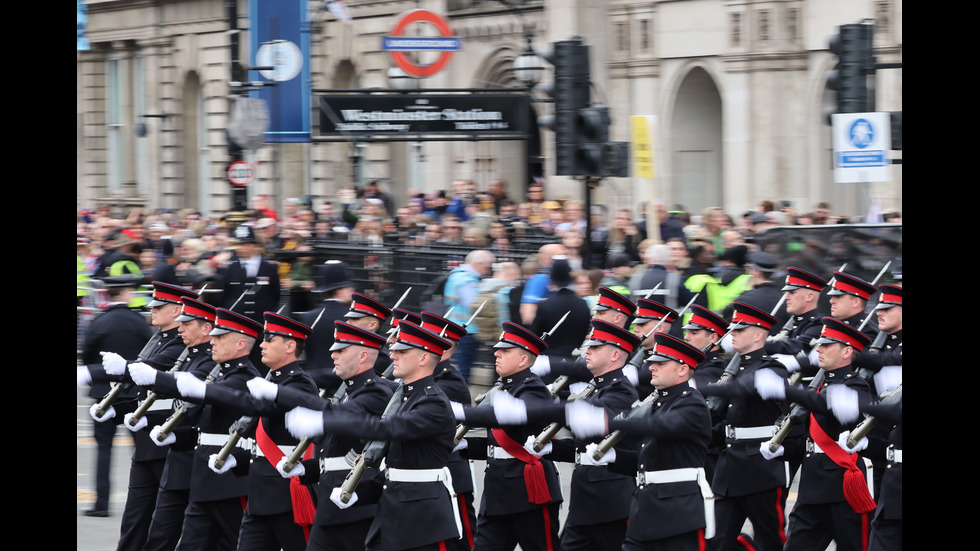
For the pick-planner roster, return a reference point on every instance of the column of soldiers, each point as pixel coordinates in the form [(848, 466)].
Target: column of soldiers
[(357, 439)]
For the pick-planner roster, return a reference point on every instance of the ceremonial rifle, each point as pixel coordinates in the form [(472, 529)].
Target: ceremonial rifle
[(171, 423), (151, 396), (893, 396), (120, 387)]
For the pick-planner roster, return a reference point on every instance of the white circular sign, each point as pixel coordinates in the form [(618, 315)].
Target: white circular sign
[(241, 173), (285, 56)]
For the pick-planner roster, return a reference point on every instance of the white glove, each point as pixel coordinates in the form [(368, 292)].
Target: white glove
[(861, 445), (542, 366), (230, 463), (769, 385), (297, 470), (262, 389), (139, 424), (335, 498), (791, 363), (155, 434), (143, 374), (764, 449), (462, 445), (726, 343), (190, 386), (83, 375), (588, 458), (458, 411), (304, 423), (529, 446), (843, 402), (630, 371), (113, 363), (584, 419), (109, 413), (509, 410), (814, 356)]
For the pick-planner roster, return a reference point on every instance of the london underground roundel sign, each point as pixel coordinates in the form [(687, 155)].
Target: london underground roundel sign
[(397, 44)]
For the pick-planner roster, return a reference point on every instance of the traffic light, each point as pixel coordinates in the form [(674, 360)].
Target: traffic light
[(570, 90), (592, 137), (895, 118), (854, 47)]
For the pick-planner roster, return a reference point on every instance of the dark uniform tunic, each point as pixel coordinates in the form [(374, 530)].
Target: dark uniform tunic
[(821, 513), (451, 381), (269, 516), (420, 437), (335, 528), (676, 431), (216, 501), (745, 484)]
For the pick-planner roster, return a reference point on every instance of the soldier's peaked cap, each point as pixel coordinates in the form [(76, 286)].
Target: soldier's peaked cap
[(514, 335), (668, 347), (441, 326), (834, 330), (846, 284), (399, 314), (750, 316), (604, 332), (165, 293), (647, 310), (192, 309), (345, 334), (286, 327), (227, 321), (702, 318), (411, 335), (611, 300), (363, 305), (797, 279), (889, 295)]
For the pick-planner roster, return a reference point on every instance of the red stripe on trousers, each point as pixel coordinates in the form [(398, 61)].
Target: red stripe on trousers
[(548, 544), (467, 528)]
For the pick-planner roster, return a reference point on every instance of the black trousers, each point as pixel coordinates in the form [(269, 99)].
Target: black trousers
[(144, 483), (533, 530), (168, 520), (764, 509), (212, 525), (814, 526), (607, 536)]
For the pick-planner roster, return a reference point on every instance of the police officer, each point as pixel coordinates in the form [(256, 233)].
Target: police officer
[(563, 300), (124, 332), (146, 468), (196, 321), (746, 485), (216, 501), (671, 508), (521, 491), (415, 509), (335, 283), (339, 525), (833, 501), (452, 383)]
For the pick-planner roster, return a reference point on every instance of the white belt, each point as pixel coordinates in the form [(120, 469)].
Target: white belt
[(429, 475), (496, 452), (749, 433), (688, 474), (160, 405), (328, 464), (286, 450), (211, 439), (893, 455)]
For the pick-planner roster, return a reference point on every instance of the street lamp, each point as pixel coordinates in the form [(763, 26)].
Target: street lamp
[(528, 67)]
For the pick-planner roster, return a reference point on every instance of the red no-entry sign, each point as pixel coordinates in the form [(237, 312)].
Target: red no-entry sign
[(241, 173)]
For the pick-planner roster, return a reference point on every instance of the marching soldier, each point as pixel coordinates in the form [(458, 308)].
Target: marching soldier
[(521, 491), (367, 313), (452, 383), (704, 331), (671, 507), (745, 484), (148, 460), (216, 502), (277, 514), (849, 297), (802, 304), (833, 500), (122, 331), (196, 322), (649, 314), (338, 525), (415, 509)]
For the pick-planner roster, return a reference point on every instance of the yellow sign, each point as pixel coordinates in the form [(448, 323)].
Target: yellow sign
[(642, 147)]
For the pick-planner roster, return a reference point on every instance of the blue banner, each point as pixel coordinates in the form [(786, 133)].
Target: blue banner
[(81, 32), (278, 39)]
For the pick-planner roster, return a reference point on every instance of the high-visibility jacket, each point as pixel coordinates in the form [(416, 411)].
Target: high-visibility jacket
[(718, 295), (81, 277), (121, 267)]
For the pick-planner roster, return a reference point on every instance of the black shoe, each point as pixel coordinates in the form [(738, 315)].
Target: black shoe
[(96, 513)]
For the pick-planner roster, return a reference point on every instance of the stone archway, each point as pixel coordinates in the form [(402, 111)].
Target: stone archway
[(696, 147)]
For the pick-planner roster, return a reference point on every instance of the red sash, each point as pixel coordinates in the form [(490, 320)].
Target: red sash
[(303, 509), (534, 478), (856, 490)]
